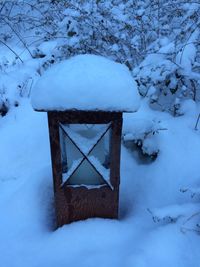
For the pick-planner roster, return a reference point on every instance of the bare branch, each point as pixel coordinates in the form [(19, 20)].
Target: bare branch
[(17, 56)]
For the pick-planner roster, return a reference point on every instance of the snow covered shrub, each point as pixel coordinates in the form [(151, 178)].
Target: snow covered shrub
[(121, 30), (158, 40), (166, 87), (170, 72), (186, 215), (142, 135)]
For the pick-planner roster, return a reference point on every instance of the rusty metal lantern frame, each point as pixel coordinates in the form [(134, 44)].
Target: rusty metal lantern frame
[(80, 202)]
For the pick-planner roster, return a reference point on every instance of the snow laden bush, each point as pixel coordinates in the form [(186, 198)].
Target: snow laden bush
[(121, 30), (142, 135), (170, 73), (159, 38), (125, 31), (186, 215), (165, 84)]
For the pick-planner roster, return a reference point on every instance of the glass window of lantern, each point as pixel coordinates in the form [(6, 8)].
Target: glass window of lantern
[(85, 151)]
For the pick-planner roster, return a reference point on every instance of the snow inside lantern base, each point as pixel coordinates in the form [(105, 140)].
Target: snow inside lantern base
[(85, 154)]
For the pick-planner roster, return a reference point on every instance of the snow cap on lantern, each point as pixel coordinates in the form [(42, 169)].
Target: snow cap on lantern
[(86, 82)]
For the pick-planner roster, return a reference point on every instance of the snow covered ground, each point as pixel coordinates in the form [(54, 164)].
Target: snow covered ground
[(26, 226), (158, 216)]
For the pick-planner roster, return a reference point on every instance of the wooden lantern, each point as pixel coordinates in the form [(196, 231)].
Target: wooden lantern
[(88, 184), (85, 97)]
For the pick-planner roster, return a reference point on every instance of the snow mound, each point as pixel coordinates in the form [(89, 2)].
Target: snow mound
[(86, 82)]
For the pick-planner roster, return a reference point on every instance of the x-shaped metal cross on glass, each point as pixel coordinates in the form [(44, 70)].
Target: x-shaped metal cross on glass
[(95, 164)]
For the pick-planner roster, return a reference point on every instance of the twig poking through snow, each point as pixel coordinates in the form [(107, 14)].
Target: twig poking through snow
[(196, 125)]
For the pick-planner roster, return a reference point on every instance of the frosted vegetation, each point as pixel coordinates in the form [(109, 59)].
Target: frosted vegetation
[(159, 41)]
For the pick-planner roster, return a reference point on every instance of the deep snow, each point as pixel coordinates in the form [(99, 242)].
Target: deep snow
[(159, 200), (27, 220), (27, 236)]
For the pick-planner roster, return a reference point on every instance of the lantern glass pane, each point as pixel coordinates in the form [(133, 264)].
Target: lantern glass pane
[(85, 150)]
